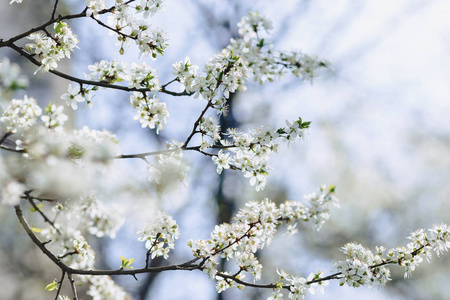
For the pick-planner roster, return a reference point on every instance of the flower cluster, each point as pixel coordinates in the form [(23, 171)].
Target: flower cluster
[(20, 114), (168, 169), (362, 267), (138, 75), (95, 145), (122, 20), (94, 216), (226, 72), (210, 129), (317, 209), (358, 268), (250, 152), (73, 250), (252, 228), (251, 24), (149, 7), (266, 63), (71, 246), (53, 117), (11, 190), (53, 49), (81, 154), (186, 74), (107, 71), (103, 287), (160, 236), (141, 75), (94, 7), (10, 79), (150, 112)]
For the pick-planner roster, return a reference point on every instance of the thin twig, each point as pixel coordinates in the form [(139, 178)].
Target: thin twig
[(60, 285), (197, 122), (80, 81), (12, 150), (72, 284), (5, 136), (54, 10), (46, 219)]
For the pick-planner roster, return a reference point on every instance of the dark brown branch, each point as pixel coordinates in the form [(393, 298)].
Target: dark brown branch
[(42, 199), (46, 219), (189, 266), (80, 81), (197, 122), (12, 150), (35, 240), (173, 80), (61, 280), (5, 136), (54, 10), (67, 254)]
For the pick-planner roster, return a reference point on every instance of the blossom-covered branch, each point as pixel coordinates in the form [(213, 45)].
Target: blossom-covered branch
[(43, 156)]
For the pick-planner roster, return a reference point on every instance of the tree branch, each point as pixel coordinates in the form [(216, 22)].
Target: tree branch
[(54, 10), (72, 284), (61, 280)]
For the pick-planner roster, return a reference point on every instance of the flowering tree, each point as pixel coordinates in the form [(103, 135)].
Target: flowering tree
[(41, 157)]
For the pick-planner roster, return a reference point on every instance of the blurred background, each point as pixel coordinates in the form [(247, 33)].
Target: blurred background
[(380, 132)]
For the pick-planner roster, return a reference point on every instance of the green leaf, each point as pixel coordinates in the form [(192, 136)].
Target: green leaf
[(35, 229), (331, 188), (52, 286), (305, 124), (261, 43), (126, 263), (39, 206), (59, 26)]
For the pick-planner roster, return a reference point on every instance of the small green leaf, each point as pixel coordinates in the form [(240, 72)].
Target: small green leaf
[(331, 188), (261, 43), (35, 229), (52, 286), (305, 124), (59, 26), (39, 206), (126, 263)]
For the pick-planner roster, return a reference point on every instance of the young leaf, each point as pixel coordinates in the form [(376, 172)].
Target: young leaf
[(39, 206), (35, 229), (126, 263), (52, 286)]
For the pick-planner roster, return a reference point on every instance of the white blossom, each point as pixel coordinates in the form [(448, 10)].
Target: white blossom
[(73, 96), (94, 7), (51, 50), (149, 111), (103, 287), (53, 117), (160, 235), (20, 114)]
